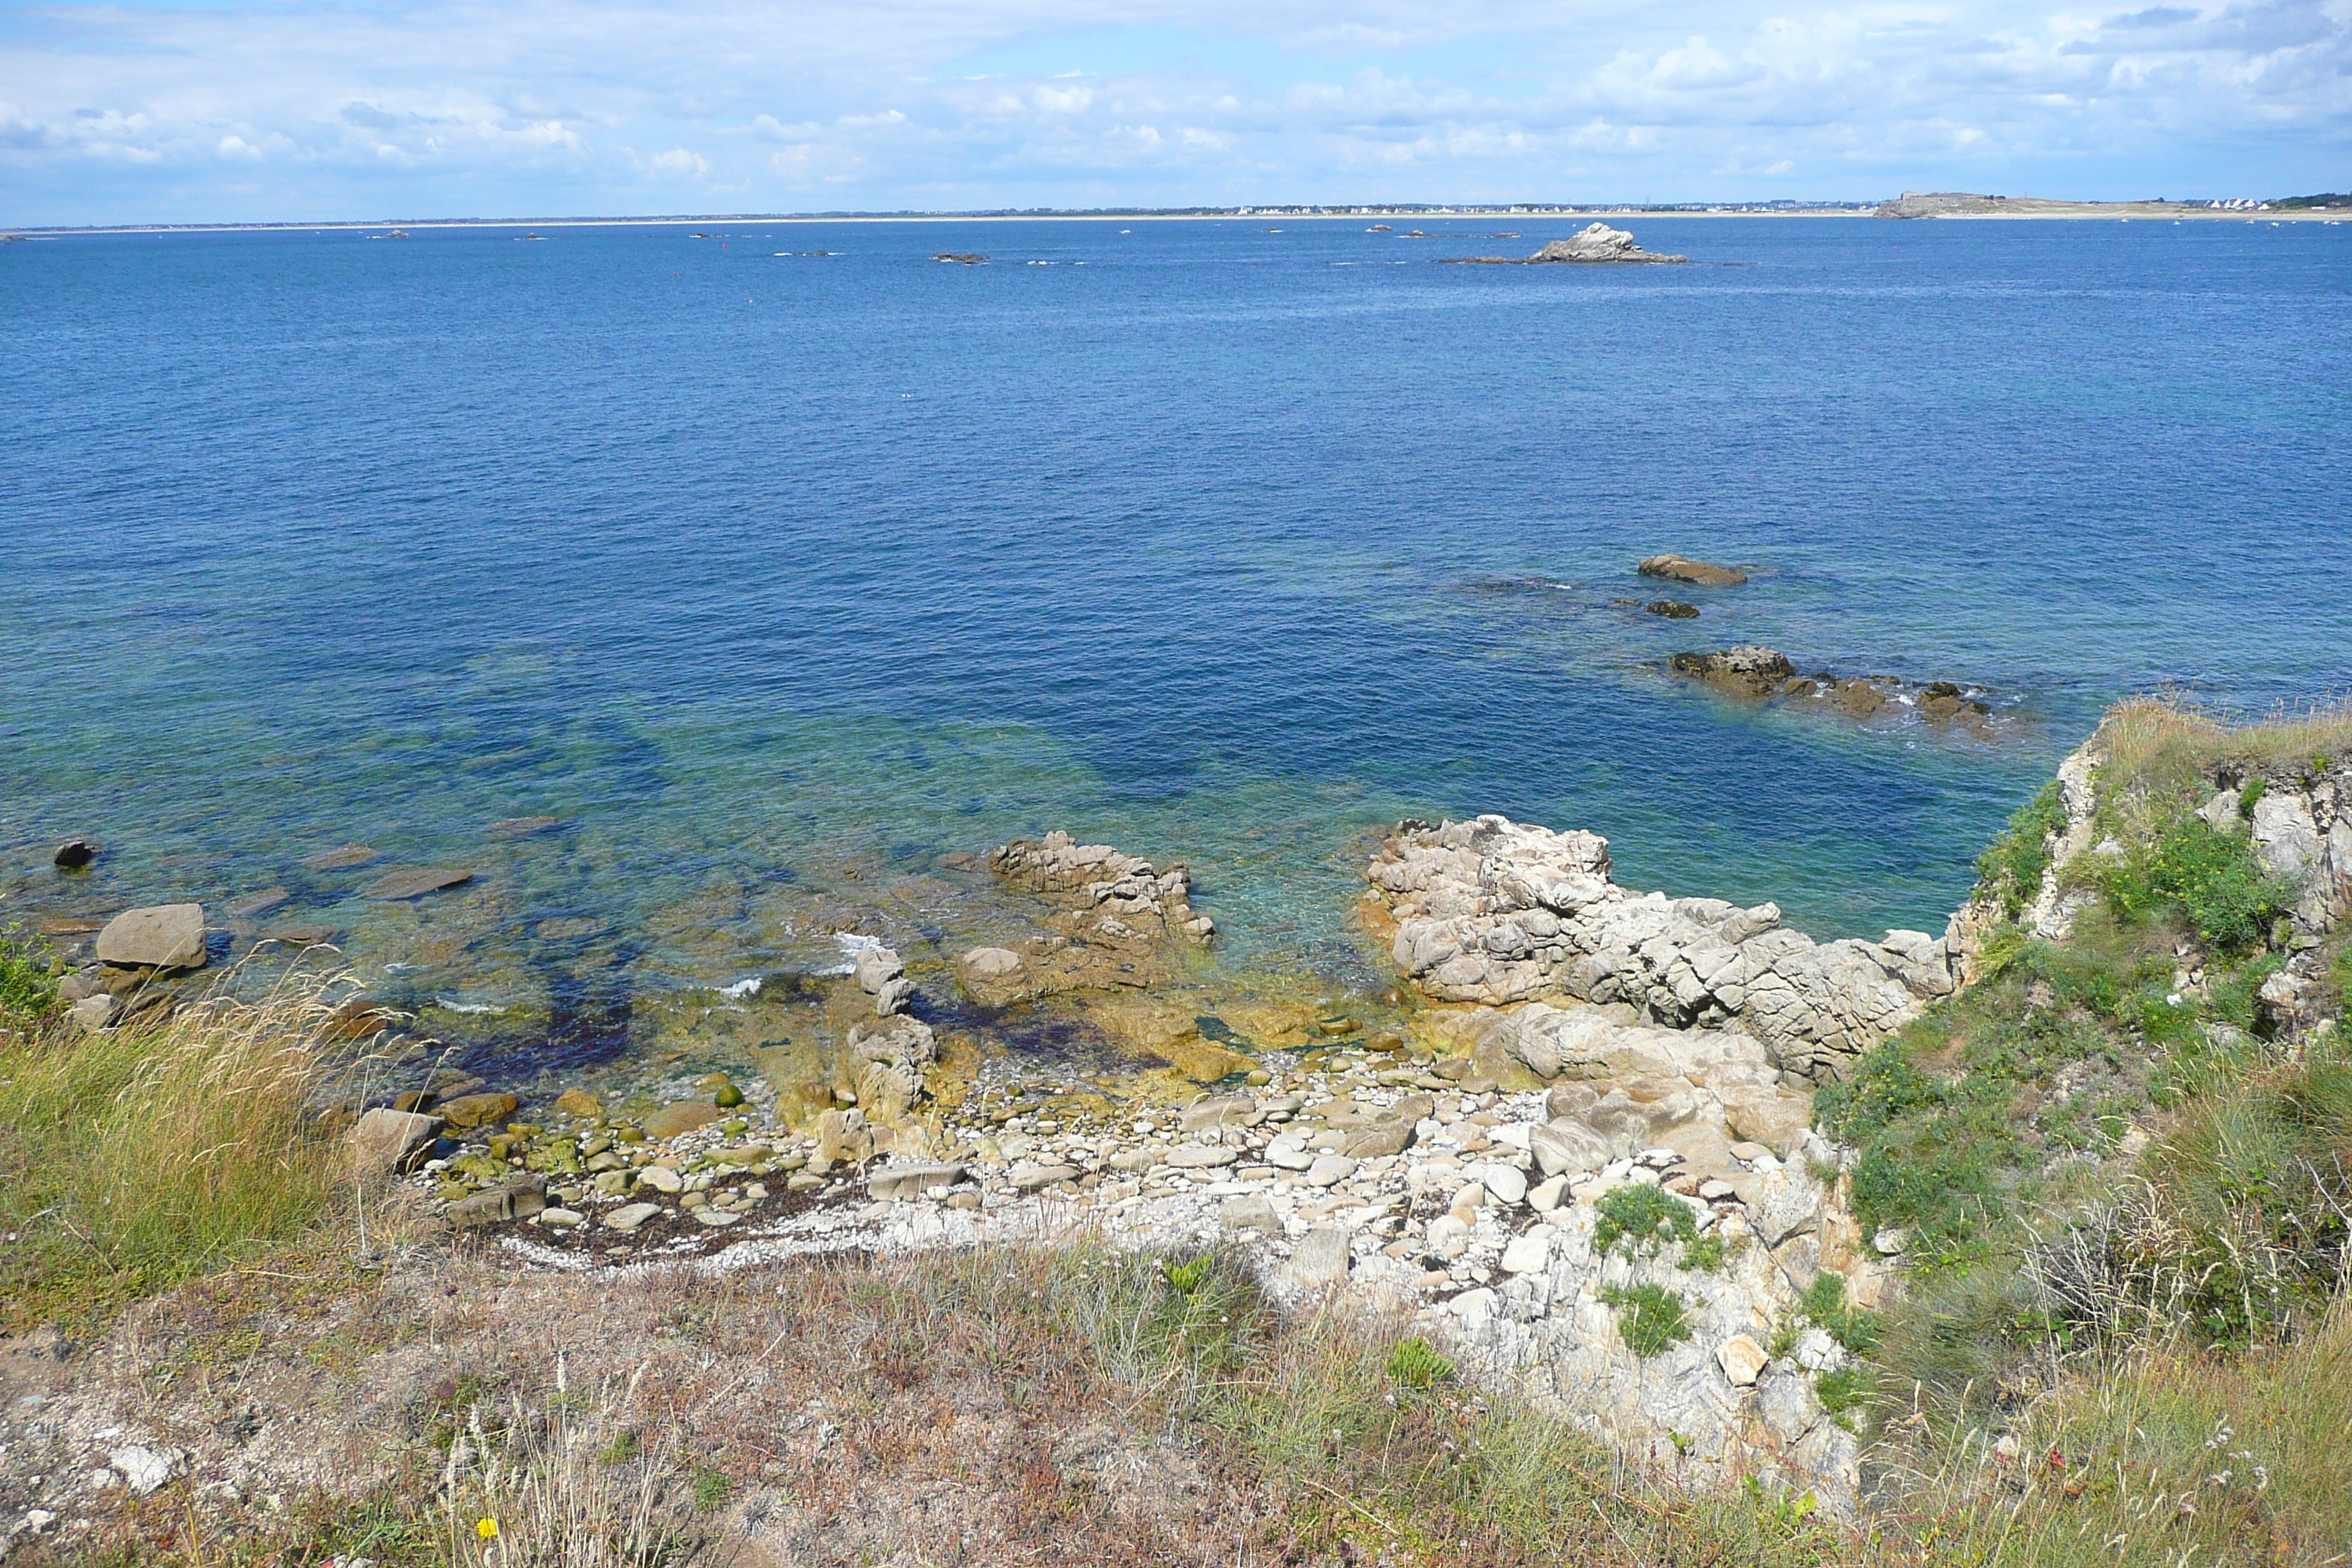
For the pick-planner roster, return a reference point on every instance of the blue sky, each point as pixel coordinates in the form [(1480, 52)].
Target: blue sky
[(220, 110)]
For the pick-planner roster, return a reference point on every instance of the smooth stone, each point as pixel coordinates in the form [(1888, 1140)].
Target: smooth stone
[(579, 1103), (1250, 1213), (1130, 1160), (512, 1202), (403, 882), (685, 1116), (1380, 1141), (476, 1109), (1528, 1251), (913, 1181), (716, 1217), (1330, 1171), (989, 963), (161, 936), (385, 1139), (74, 854), (661, 1178), (1546, 1196), (1320, 1259), (1506, 1184), (1742, 1360), (1225, 1110), (562, 1219), (253, 904), (1290, 1156), (1030, 1178), (341, 860), (1201, 1157)]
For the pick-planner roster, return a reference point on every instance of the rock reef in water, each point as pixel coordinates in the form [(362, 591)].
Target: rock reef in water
[(1683, 569), (1117, 911), (1762, 674), (1492, 911), (1597, 243)]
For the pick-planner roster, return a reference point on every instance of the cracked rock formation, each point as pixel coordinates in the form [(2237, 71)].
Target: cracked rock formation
[(1494, 911)]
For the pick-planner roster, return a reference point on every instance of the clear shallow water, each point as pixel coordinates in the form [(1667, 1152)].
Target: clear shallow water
[(1223, 546)]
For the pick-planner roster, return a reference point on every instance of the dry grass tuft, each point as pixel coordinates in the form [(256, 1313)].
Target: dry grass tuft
[(567, 1483)]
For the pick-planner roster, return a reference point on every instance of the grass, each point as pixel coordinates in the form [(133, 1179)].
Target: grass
[(2167, 1456), (143, 1156)]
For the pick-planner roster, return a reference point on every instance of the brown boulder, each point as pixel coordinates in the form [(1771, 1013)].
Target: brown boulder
[(1682, 569)]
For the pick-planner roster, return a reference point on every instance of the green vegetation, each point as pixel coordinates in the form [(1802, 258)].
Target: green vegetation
[(1825, 1307), (2206, 880), (145, 1155), (2013, 865), (2129, 1214), (1415, 1365), (1651, 1318), (29, 992), (1642, 1216)]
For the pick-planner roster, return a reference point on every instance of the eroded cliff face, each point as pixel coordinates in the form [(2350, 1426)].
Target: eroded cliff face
[(1496, 911)]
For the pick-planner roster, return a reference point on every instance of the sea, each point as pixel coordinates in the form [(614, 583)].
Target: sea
[(767, 556)]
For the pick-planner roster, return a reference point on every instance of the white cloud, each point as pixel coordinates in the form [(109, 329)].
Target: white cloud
[(117, 111)]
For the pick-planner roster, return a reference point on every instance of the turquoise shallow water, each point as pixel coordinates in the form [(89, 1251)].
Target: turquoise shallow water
[(763, 572)]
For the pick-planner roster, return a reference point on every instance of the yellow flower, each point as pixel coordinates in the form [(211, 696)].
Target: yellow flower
[(487, 1529)]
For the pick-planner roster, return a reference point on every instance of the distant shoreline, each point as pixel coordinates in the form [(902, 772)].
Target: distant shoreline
[(2039, 211)]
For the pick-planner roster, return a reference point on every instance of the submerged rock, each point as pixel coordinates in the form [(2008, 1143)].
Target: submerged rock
[(403, 882), (1683, 569)]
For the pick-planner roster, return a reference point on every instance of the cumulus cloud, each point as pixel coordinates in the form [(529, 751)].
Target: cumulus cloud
[(116, 111)]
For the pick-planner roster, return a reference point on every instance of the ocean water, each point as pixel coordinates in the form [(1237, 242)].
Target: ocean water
[(1224, 541)]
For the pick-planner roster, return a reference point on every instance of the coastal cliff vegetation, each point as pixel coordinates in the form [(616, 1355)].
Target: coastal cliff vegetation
[(2116, 1170)]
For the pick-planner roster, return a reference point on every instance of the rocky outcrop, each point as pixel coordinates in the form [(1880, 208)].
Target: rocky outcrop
[(1492, 911), (2299, 825), (1595, 242), (1114, 916), (1129, 899), (1683, 569), (1758, 674), (888, 1058)]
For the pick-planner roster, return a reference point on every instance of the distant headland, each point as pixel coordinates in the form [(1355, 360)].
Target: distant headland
[(2326, 206)]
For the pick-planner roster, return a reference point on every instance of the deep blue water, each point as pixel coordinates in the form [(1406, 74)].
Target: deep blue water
[(1223, 545)]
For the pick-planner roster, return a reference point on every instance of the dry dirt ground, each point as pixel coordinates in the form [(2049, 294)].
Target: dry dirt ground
[(819, 1411)]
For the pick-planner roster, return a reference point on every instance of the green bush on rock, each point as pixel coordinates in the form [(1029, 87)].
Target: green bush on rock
[(1651, 1318)]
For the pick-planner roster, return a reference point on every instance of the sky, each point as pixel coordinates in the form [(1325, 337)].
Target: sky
[(200, 110)]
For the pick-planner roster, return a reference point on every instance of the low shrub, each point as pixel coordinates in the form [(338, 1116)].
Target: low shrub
[(28, 992), (1643, 1218), (2211, 881), (1651, 1318)]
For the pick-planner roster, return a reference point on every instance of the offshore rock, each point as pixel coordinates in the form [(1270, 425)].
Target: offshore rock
[(1758, 674), (1595, 242), (1492, 911)]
